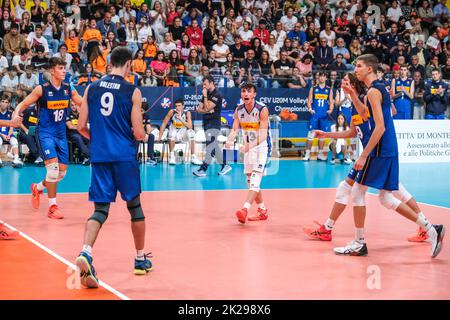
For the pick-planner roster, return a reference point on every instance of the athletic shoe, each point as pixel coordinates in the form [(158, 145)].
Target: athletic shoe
[(151, 162), (225, 169), (195, 160), (88, 276), (200, 173), (332, 161), (35, 196), (307, 156), (54, 212), (348, 161), (172, 159), (6, 233), (141, 267), (421, 236), (353, 248), (320, 156), (436, 243), (262, 215), (38, 160), (320, 233), (242, 215), (86, 162)]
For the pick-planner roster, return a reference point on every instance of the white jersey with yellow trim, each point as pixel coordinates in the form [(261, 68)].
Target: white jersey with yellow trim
[(176, 123), (250, 125)]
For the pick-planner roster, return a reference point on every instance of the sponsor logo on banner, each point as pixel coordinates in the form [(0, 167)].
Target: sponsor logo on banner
[(423, 141)]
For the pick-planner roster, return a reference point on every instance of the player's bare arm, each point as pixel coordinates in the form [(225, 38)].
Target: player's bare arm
[(165, 122), (32, 98), (83, 118), (77, 98), (136, 116), (233, 132)]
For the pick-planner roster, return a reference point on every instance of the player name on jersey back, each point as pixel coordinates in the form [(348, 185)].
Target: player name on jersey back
[(109, 85)]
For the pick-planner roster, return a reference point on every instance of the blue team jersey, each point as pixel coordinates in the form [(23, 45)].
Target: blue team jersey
[(402, 103), (5, 116), (52, 109), (387, 146), (321, 99), (110, 104)]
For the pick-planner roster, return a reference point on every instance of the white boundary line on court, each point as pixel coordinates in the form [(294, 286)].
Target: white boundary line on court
[(65, 261)]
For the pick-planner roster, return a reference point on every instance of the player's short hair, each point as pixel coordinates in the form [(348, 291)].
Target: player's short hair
[(179, 101), (208, 78), (120, 56), (248, 86), (55, 61), (369, 60)]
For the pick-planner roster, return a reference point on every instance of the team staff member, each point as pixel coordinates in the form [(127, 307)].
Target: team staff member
[(436, 97), (211, 107)]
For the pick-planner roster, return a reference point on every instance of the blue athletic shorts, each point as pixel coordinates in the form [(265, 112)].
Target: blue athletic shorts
[(53, 147), (319, 122), (402, 116), (109, 177), (352, 174), (381, 173)]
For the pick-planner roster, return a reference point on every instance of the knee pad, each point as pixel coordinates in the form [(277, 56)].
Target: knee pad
[(190, 134), (358, 194), (402, 194), (255, 181), (388, 200), (52, 172), (343, 192), (61, 175), (135, 209), (13, 142), (101, 212)]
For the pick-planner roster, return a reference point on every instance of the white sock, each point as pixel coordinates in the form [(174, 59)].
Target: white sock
[(423, 222), (87, 249), (329, 224), (140, 255), (40, 186), (247, 205), (51, 201), (262, 206), (360, 235)]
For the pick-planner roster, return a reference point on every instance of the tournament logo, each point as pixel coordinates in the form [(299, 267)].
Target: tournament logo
[(166, 103), (224, 103)]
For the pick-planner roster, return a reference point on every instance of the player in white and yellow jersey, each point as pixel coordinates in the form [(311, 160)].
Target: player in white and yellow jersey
[(252, 117)]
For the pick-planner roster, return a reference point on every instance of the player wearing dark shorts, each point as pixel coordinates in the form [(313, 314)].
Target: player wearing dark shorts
[(113, 108)]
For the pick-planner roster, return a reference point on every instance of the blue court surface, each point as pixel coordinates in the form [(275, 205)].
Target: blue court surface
[(429, 183)]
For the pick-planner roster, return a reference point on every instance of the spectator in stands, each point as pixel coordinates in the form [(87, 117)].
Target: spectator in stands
[(192, 66), (436, 97), (50, 30), (191, 17), (210, 35), (289, 20), (184, 47), (5, 23), (283, 69), (246, 33), (426, 15), (338, 65), (222, 50), (35, 39), (375, 49), (419, 90), (88, 76), (228, 33), (62, 53), (446, 70), (177, 29), (13, 41), (279, 34), (210, 60), (91, 38), (10, 84), (22, 60), (204, 71), (168, 45), (196, 36), (232, 65), (148, 80), (139, 65), (297, 34), (297, 81), (433, 65), (19, 9), (441, 13), (25, 136), (150, 50), (132, 38), (267, 71), (176, 70), (416, 66), (328, 34), (305, 66), (160, 68), (399, 51), (226, 80), (261, 32), (98, 59), (250, 70), (126, 14), (273, 49), (257, 48), (323, 55), (74, 136), (26, 27), (106, 25), (422, 53), (27, 81), (238, 50)]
